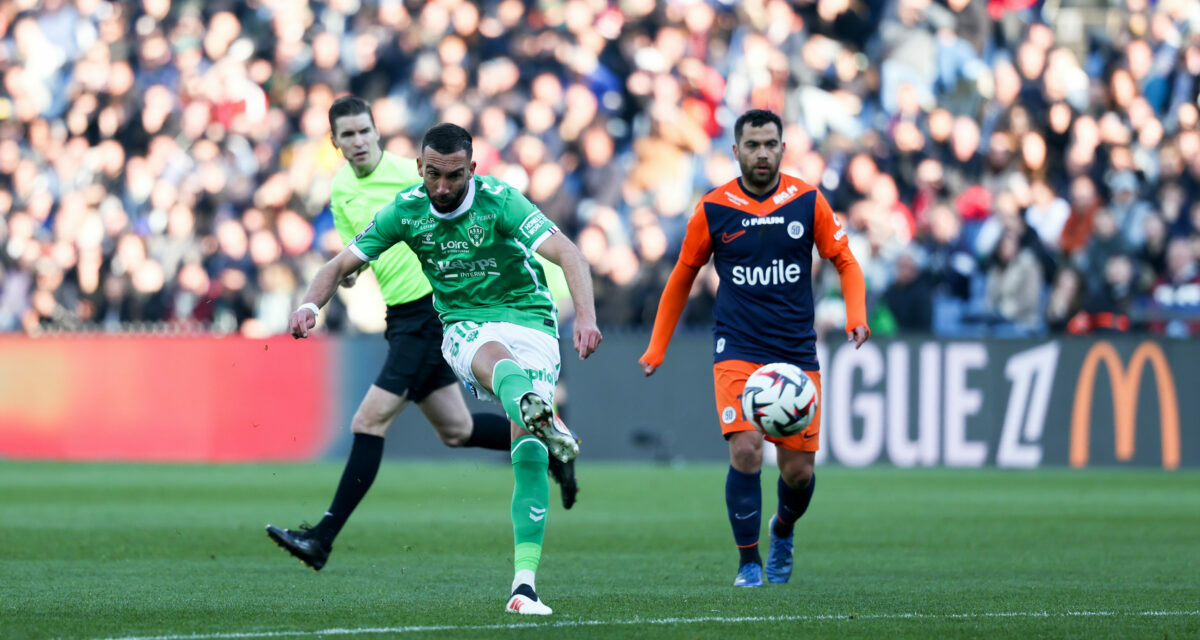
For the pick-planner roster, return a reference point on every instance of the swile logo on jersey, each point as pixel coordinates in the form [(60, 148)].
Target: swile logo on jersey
[(777, 272)]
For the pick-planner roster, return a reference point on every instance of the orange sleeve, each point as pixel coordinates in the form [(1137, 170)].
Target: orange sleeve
[(670, 307), (833, 245), (697, 247), (697, 243)]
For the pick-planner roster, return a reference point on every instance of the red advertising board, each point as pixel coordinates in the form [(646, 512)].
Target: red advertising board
[(176, 399)]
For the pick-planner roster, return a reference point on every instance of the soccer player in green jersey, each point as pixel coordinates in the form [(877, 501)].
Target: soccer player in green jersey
[(475, 239), (414, 370)]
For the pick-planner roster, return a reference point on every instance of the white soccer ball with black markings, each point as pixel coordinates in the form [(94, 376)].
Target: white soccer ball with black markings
[(779, 399)]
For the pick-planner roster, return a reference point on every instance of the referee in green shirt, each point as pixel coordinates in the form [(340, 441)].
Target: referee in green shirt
[(415, 369)]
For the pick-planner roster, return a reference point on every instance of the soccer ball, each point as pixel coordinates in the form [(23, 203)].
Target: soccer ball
[(779, 400)]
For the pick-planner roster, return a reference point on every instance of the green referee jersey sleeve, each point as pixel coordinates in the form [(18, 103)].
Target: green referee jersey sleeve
[(354, 202)]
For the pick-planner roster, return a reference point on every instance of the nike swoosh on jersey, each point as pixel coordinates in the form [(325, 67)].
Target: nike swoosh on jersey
[(809, 436), (730, 237)]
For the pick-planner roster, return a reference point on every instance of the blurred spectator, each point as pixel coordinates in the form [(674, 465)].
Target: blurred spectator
[(1077, 229), (1014, 283), (909, 298), (1127, 209), (1106, 241), (1047, 214), (1065, 299), (1151, 258), (1106, 307), (949, 260), (1176, 294)]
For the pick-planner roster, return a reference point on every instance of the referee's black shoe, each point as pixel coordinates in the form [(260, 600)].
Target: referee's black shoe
[(302, 544), (564, 474)]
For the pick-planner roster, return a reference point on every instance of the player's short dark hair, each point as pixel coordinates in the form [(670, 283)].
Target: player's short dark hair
[(755, 118), (348, 106), (447, 138)]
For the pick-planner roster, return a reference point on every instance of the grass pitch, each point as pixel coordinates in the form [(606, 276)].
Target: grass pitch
[(175, 552)]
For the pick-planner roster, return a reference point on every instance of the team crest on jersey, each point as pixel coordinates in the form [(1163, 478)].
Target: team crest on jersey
[(475, 233), (795, 229)]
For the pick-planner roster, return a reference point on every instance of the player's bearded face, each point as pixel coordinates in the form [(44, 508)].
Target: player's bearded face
[(446, 177), (759, 153)]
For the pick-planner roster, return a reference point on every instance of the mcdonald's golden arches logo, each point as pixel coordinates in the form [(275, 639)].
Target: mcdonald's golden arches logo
[(1125, 384)]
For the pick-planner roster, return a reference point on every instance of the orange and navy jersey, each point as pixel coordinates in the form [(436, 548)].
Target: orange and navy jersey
[(762, 248)]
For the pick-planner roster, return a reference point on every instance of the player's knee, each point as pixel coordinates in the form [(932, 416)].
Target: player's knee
[(746, 454), (453, 434), (371, 422), (797, 476)]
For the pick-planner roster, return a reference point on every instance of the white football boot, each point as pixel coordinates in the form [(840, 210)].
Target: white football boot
[(525, 602)]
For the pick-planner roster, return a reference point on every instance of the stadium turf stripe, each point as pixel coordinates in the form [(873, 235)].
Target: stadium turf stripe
[(665, 621)]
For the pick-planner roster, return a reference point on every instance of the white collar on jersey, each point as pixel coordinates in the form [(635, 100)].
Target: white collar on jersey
[(462, 208)]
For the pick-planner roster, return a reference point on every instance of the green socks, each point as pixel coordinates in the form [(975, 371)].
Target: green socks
[(509, 383), (531, 487), (531, 498)]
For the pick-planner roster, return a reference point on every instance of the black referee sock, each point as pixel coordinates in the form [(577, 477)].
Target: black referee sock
[(489, 431), (365, 455)]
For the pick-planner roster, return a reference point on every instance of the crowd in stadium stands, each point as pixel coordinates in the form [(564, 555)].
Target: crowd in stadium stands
[(166, 164)]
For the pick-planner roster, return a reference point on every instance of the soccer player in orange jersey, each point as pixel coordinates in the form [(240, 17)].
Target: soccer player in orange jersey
[(760, 231)]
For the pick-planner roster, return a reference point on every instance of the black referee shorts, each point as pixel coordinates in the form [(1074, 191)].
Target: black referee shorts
[(414, 361)]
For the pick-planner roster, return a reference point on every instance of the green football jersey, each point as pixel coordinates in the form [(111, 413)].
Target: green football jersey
[(479, 258), (355, 200)]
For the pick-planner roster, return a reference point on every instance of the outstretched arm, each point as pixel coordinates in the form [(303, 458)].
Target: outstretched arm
[(696, 249), (670, 307), (562, 252), (324, 284), (854, 292), (833, 245)]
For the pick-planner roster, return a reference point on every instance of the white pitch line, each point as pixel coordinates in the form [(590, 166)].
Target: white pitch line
[(663, 621)]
